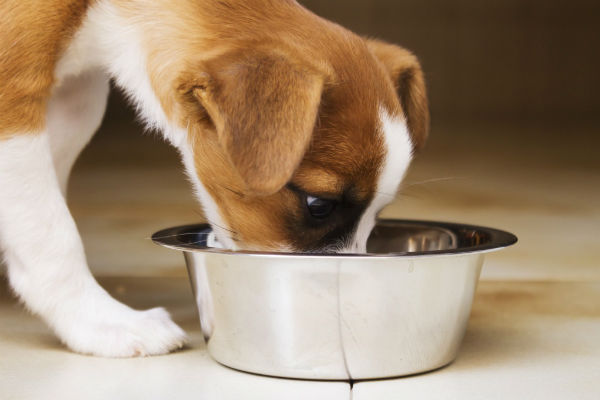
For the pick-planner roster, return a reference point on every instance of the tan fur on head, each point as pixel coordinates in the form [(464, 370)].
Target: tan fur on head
[(264, 108)]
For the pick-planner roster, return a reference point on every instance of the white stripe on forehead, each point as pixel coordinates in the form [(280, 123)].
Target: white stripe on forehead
[(398, 154)]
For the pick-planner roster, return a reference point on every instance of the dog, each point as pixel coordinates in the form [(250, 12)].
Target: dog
[(294, 132)]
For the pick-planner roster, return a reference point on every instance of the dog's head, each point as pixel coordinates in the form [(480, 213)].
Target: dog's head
[(299, 149)]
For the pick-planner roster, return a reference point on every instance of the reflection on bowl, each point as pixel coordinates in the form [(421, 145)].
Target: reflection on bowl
[(398, 310)]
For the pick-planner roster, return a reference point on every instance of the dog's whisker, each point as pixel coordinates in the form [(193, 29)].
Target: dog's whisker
[(241, 195), (432, 180), (407, 185), (409, 195), (386, 194), (179, 234), (187, 233), (376, 191), (214, 224), (222, 227)]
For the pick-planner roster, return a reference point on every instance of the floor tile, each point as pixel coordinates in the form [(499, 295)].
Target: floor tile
[(524, 341), (33, 365)]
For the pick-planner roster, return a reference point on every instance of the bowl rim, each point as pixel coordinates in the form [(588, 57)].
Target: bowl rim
[(499, 239)]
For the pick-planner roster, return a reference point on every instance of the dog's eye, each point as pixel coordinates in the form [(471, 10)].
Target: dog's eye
[(319, 208)]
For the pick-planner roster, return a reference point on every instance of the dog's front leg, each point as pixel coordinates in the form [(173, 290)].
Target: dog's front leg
[(47, 266)]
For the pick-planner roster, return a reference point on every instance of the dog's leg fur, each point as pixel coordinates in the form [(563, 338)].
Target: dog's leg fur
[(41, 245), (74, 114)]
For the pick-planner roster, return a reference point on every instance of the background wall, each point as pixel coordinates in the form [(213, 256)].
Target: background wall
[(517, 60)]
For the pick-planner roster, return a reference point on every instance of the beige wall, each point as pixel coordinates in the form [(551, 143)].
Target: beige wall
[(535, 60)]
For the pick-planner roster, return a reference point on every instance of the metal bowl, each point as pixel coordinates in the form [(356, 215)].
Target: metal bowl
[(400, 309)]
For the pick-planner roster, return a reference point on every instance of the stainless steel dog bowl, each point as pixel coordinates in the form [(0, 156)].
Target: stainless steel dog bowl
[(401, 309)]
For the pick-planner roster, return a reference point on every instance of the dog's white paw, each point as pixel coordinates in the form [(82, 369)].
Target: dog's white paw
[(123, 332)]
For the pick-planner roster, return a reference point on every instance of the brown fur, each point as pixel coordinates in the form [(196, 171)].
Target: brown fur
[(258, 98), (270, 94), (233, 104), (407, 76), (33, 35), (250, 126)]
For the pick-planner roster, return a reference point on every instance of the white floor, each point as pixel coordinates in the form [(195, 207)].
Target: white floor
[(524, 340)]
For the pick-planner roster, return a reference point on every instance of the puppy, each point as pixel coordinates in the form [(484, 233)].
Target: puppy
[(294, 131)]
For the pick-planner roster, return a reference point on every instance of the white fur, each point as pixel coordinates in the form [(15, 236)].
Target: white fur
[(74, 113), (40, 242), (106, 40), (114, 44), (47, 266), (397, 159), (209, 206)]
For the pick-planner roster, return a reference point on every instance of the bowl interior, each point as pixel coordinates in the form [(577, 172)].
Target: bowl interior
[(389, 237)]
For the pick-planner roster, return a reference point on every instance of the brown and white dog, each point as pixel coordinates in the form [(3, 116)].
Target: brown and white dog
[(294, 131)]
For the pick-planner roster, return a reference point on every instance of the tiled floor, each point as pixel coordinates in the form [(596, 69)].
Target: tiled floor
[(525, 340), (35, 366), (535, 327)]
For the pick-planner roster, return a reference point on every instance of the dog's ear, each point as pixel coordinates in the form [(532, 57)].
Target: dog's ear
[(407, 76), (264, 110)]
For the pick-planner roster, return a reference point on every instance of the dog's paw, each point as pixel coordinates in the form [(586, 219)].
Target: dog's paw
[(124, 333)]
